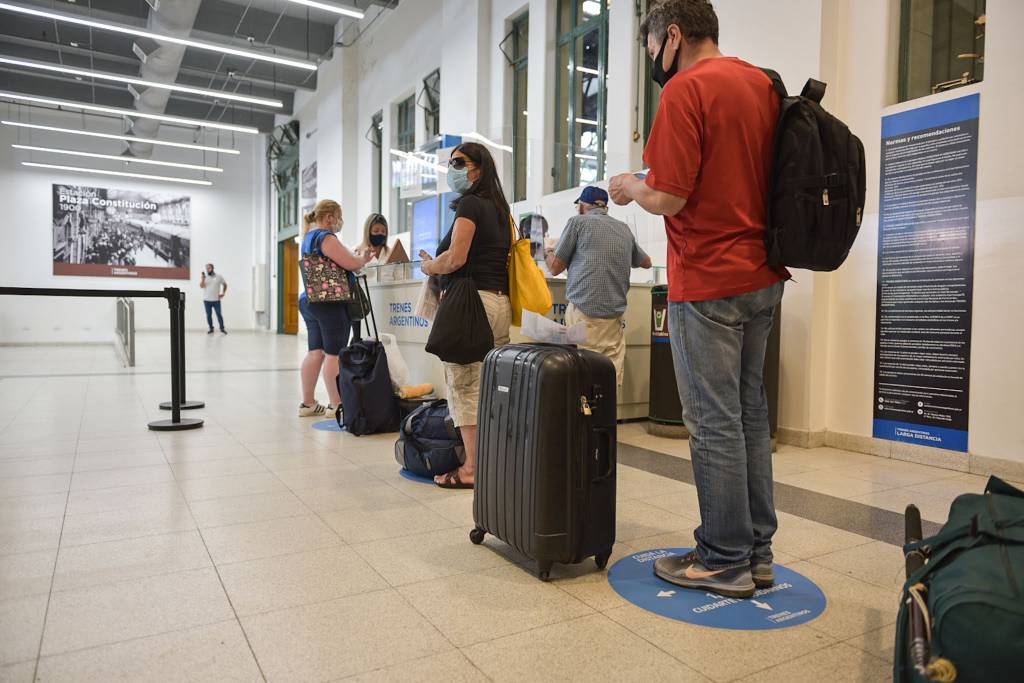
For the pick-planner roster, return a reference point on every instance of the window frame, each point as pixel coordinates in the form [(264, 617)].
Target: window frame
[(566, 169), (903, 75), (405, 124), (432, 109), (520, 65)]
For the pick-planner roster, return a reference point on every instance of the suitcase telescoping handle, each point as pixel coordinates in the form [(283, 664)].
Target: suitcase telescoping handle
[(919, 645)]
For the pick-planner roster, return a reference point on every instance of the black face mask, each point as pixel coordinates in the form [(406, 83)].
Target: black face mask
[(659, 74), (378, 240)]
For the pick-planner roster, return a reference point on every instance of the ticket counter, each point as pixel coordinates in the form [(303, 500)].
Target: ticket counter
[(394, 289)]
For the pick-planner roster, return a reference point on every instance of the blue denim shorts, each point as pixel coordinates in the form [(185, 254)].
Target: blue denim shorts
[(327, 325)]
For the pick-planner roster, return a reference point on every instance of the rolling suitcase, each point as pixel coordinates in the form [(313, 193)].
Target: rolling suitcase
[(545, 478)]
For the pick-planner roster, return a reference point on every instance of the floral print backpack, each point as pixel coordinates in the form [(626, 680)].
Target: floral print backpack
[(325, 280)]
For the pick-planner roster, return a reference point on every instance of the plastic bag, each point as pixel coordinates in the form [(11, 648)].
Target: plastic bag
[(541, 329), (396, 363), (428, 299)]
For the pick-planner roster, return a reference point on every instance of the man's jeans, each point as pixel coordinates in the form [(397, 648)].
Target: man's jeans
[(213, 306), (718, 348)]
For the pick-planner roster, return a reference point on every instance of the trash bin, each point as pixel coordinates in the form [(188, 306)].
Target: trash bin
[(664, 413)]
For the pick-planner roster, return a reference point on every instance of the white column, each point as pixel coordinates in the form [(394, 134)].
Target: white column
[(540, 99), (621, 99)]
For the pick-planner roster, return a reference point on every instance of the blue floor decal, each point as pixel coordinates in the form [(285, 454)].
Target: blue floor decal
[(328, 426), (792, 601), (415, 477)]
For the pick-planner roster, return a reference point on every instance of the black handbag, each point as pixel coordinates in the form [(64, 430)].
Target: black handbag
[(461, 332)]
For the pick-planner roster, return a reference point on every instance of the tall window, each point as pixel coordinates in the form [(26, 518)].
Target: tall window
[(376, 137), (942, 45), (582, 56), (430, 100), (518, 44), (405, 131), (405, 141)]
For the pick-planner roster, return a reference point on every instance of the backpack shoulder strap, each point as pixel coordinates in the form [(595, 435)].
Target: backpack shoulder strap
[(814, 91), (777, 83)]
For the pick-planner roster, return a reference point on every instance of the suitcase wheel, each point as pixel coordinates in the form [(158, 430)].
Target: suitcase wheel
[(602, 560), (477, 536), (544, 571)]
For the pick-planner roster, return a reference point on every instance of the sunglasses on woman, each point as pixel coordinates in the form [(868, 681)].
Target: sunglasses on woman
[(458, 163)]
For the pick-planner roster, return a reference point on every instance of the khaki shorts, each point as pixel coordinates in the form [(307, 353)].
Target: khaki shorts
[(604, 335), (463, 381)]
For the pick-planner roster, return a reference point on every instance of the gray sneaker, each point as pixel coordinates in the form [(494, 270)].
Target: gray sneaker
[(763, 574), (689, 572)]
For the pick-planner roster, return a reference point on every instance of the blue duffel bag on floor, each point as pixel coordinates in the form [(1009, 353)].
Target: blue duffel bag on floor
[(429, 444)]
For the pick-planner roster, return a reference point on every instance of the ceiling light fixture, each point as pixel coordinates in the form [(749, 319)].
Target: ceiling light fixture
[(127, 138), (120, 28), (216, 94), (419, 160), (129, 113), (79, 169), (330, 7), (487, 141), (115, 157)]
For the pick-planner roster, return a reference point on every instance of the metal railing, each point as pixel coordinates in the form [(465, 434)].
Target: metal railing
[(126, 330), (176, 303)]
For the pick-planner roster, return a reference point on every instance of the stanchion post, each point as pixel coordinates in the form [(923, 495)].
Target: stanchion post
[(183, 402), (176, 423)]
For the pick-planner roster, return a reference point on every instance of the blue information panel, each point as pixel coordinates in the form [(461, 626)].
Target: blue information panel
[(926, 274), (425, 229), (792, 601), (328, 426)]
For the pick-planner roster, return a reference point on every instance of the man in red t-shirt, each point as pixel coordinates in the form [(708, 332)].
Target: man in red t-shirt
[(709, 155)]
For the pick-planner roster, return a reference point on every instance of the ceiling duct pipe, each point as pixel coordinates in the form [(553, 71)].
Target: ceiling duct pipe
[(161, 63)]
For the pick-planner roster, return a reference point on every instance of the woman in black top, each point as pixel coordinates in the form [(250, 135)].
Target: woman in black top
[(477, 245)]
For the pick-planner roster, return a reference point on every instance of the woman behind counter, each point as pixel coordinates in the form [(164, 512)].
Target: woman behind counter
[(375, 238), (477, 246)]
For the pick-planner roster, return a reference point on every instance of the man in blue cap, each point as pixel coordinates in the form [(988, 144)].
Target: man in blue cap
[(599, 252)]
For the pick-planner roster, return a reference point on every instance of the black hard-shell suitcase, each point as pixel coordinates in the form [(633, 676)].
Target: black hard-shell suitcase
[(545, 479)]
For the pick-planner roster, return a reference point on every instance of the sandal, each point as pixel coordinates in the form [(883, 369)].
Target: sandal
[(451, 480)]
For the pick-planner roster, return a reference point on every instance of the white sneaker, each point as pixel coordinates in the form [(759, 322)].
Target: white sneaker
[(315, 410)]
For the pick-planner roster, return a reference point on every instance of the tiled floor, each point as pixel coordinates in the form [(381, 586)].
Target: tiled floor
[(259, 548)]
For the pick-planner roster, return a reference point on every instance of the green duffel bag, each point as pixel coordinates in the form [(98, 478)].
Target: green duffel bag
[(973, 581)]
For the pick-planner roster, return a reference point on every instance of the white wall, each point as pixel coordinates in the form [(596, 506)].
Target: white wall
[(867, 67), (223, 219)]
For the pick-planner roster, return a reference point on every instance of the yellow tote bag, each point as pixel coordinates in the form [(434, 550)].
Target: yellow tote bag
[(527, 287)]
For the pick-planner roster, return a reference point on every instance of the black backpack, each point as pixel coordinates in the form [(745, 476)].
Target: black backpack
[(817, 187)]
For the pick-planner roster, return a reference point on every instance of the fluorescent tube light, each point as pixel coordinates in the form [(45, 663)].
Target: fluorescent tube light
[(424, 162), (199, 123), (487, 141), (337, 9), (120, 28), (79, 169), (91, 73), (115, 157), (127, 138)]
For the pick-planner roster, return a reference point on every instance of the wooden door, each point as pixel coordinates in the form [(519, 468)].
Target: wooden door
[(290, 276)]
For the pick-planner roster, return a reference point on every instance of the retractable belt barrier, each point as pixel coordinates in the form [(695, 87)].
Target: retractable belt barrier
[(176, 303)]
